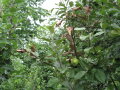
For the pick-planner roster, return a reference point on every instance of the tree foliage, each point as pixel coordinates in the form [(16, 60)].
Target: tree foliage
[(78, 50)]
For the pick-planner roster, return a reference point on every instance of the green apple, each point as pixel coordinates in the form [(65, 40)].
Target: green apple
[(74, 61)]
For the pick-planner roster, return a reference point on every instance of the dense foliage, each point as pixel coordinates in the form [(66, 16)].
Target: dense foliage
[(79, 48)]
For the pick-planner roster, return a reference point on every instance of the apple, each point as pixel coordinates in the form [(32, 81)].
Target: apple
[(74, 61)]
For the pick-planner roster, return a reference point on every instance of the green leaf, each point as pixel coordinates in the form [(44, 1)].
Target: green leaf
[(3, 42), (104, 25), (71, 3), (70, 74), (50, 28), (46, 39), (66, 83), (115, 33), (19, 1), (61, 12), (118, 69), (78, 4), (63, 70), (113, 10), (99, 33), (52, 81), (13, 9), (80, 29), (5, 2), (87, 50), (84, 65), (80, 74), (83, 37), (58, 42), (61, 4), (100, 75), (115, 26), (101, 1), (57, 65)]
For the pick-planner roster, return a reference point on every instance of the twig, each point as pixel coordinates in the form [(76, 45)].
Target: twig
[(114, 83)]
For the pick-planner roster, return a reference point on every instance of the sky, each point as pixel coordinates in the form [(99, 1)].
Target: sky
[(49, 4)]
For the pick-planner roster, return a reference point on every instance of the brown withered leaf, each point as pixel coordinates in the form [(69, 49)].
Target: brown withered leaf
[(67, 14), (33, 49), (72, 46), (70, 29), (29, 52), (59, 23), (74, 15), (67, 53), (69, 37), (87, 9), (21, 50), (71, 52), (80, 53), (76, 8), (32, 55)]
